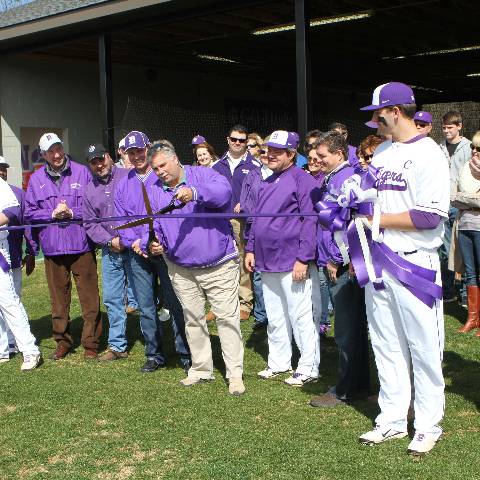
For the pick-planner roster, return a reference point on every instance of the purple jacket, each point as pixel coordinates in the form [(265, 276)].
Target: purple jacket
[(196, 242), (15, 237), (249, 196), (129, 201), (327, 248), (98, 202), (239, 174), (43, 196), (352, 156), (278, 242)]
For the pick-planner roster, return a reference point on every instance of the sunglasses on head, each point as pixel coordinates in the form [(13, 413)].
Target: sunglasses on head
[(474, 148), (239, 140)]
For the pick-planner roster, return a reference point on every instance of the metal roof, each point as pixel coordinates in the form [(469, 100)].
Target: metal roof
[(42, 8)]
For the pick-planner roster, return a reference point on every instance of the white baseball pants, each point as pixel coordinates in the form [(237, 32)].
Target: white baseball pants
[(289, 309), (403, 330), (12, 313)]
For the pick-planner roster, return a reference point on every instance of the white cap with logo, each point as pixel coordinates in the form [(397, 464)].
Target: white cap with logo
[(47, 140)]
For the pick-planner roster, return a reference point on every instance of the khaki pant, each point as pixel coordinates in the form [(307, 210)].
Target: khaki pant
[(245, 290), (219, 285), (59, 270)]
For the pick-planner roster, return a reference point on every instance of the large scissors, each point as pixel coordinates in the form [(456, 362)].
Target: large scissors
[(173, 205)]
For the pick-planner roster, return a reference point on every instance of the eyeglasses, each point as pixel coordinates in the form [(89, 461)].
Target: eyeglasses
[(250, 145), (239, 140), (313, 160), (474, 148), (367, 157)]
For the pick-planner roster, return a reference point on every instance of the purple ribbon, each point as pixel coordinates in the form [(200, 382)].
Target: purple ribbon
[(418, 280)]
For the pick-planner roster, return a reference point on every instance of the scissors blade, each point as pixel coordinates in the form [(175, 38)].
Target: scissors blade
[(134, 223), (146, 200)]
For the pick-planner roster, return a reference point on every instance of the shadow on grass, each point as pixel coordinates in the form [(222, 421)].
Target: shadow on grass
[(464, 375), (456, 311)]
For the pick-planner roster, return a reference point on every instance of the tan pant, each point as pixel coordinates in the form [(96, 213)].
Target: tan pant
[(245, 290), (220, 287)]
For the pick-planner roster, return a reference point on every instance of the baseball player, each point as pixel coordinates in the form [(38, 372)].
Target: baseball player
[(12, 312), (413, 191)]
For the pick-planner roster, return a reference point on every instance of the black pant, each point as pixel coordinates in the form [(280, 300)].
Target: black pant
[(351, 335)]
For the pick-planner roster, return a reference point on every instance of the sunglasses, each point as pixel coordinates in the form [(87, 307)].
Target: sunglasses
[(367, 157), (313, 160), (239, 140), (263, 151), (252, 145), (474, 148)]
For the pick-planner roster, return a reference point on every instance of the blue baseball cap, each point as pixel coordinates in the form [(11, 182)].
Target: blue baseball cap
[(389, 95)]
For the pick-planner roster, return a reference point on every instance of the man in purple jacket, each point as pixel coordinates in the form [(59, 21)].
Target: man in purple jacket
[(235, 165), (55, 192), (15, 243), (351, 336), (202, 260), (284, 249), (143, 269), (98, 203)]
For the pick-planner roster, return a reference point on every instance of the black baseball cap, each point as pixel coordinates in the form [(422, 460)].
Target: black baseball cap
[(96, 150)]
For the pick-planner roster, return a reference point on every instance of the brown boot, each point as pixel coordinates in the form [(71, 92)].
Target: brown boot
[(473, 305)]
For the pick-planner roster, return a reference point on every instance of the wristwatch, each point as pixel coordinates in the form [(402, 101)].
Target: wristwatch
[(109, 244)]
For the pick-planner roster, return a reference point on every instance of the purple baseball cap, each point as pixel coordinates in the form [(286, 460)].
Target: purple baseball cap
[(423, 116), (136, 139), (283, 139), (198, 139), (389, 95)]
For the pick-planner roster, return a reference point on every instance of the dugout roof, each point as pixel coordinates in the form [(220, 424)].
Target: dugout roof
[(355, 44)]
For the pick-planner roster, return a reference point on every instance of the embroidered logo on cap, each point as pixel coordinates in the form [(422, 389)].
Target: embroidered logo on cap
[(91, 148)]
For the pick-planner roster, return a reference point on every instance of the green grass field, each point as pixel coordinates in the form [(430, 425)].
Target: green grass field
[(75, 419)]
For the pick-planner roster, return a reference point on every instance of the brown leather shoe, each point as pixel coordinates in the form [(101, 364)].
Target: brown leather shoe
[(210, 316), (130, 310), (111, 355), (473, 301), (90, 355), (60, 352), (244, 315)]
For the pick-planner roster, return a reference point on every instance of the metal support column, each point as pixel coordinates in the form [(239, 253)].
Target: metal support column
[(304, 79), (106, 92)]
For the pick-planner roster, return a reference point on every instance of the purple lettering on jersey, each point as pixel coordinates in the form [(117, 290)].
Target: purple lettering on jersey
[(389, 180)]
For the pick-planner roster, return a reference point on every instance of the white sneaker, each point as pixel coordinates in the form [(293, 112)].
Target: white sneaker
[(422, 443), (269, 373), (379, 435), (4, 359), (163, 315), (299, 379), (236, 386), (31, 361)]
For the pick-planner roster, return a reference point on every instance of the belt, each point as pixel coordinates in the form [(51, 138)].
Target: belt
[(408, 253)]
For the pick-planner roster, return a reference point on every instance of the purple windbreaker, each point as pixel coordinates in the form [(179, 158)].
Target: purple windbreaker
[(249, 196), (41, 199), (196, 242), (329, 191), (15, 237), (278, 242), (129, 201), (239, 174), (98, 202)]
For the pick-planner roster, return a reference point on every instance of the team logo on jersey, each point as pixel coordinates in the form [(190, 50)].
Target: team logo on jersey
[(76, 186), (390, 180), (245, 171)]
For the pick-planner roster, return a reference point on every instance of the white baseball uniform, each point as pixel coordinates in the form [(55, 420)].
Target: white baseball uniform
[(12, 312), (403, 330)]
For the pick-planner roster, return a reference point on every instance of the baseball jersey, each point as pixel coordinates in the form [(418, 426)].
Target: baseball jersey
[(412, 175), (7, 200)]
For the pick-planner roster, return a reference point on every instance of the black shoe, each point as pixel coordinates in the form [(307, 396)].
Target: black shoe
[(150, 366), (258, 325), (185, 364)]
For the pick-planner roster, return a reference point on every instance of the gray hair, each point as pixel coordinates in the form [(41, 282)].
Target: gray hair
[(160, 146)]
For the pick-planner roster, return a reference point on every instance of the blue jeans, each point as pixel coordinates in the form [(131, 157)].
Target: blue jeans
[(469, 243), (259, 312), (114, 281), (351, 335), (448, 277), (325, 293), (131, 300), (142, 273)]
